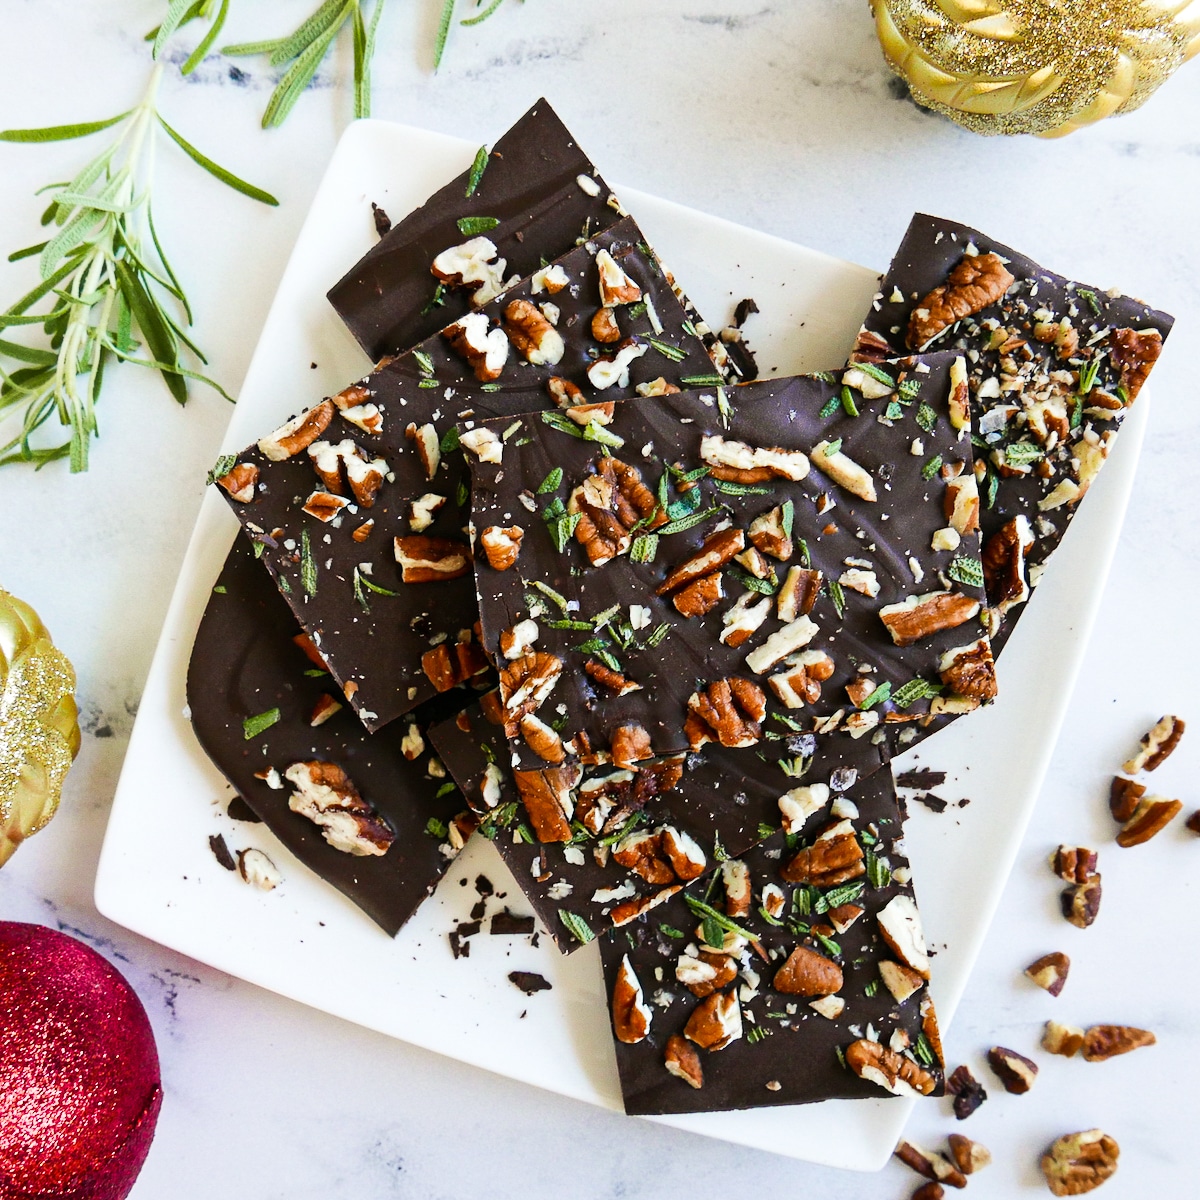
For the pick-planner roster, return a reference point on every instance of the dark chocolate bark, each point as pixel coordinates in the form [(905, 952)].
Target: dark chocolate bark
[(393, 644), (530, 185), (782, 1050), (1053, 367), (245, 664), (596, 637), (724, 801)]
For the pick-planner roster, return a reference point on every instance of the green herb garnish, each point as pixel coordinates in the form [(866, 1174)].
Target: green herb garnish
[(848, 405), (967, 570), (551, 482), (932, 467), (253, 726), (830, 407), (477, 169), (308, 566), (471, 226)]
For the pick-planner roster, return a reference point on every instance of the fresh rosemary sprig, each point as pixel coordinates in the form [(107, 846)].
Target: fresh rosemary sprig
[(111, 295), (303, 51)]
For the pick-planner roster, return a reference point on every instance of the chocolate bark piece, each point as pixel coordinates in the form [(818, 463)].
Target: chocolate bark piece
[(806, 985), (390, 300), (728, 556), (382, 584), (616, 857), (1054, 365), (246, 670)]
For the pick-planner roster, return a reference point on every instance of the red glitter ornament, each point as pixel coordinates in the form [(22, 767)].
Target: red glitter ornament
[(79, 1081)]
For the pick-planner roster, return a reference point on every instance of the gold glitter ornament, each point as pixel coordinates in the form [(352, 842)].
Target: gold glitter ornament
[(39, 723), (1035, 66)]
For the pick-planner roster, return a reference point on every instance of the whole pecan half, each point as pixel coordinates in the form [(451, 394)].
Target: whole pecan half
[(976, 281)]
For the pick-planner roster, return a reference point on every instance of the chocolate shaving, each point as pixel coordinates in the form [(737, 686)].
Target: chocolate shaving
[(459, 943), (507, 923), (933, 803), (922, 777), (220, 850), (529, 982)]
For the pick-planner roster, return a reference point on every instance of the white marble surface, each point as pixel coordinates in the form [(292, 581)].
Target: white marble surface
[(779, 115)]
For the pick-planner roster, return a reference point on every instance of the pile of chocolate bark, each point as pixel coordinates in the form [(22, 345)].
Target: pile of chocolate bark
[(559, 572)]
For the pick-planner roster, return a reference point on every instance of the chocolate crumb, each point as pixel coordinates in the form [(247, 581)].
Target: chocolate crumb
[(480, 908), (529, 982), (483, 885), (459, 943), (922, 777), (220, 850), (963, 802), (507, 923), (932, 802), (239, 810), (383, 223), (744, 309)]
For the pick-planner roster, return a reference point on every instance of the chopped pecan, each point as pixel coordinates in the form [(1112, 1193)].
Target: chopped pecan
[(976, 281), (807, 973), (613, 680), (783, 642), (1081, 902), (473, 265), (922, 616), (616, 287), (630, 1012), (592, 414), (604, 372), (683, 853), (769, 534), (447, 666), (518, 639), (1133, 352), (900, 925), (929, 1191), (1156, 746), (735, 877), (708, 973), (715, 1022), (844, 471), (961, 504), (682, 1061), (422, 511), (801, 683), (297, 434), (931, 1164), (525, 683), (326, 796), (325, 707), (610, 503), (1074, 864), (968, 1095), (835, 857), (844, 916), (1152, 815), (630, 745), (891, 1071), (309, 649), (563, 392), (501, 545), (738, 462), (352, 403), (959, 400), (1065, 1040), (425, 559), (968, 1156), (729, 710), (630, 910), (533, 336), (870, 347), (739, 623), (1050, 972), (1004, 565), (1107, 1041), (239, 482), (604, 326), (365, 475), (1014, 1070), (484, 348), (642, 853), (1077, 1163), (900, 980), (542, 739), (796, 806), (1123, 797), (700, 596), (970, 670), (546, 795), (324, 505), (718, 550), (363, 531), (428, 446)]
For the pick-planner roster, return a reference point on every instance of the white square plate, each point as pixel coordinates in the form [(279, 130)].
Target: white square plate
[(158, 877)]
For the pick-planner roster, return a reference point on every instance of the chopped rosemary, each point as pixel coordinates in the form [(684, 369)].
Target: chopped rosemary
[(477, 169), (253, 726)]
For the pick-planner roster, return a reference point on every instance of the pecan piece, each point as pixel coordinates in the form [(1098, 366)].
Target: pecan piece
[(1123, 797), (1152, 815), (630, 745), (900, 925), (563, 392), (604, 326), (801, 684), (630, 910), (699, 597), (1014, 1070), (739, 623), (425, 559), (324, 505), (326, 796), (610, 503), (968, 1156), (807, 973), (1004, 565), (642, 853), (613, 680), (931, 1164), (844, 471), (533, 336), (976, 281), (735, 878), (968, 1095), (524, 685), (422, 511), (682, 1061), (900, 980), (1077, 1163), (352, 403), (239, 482), (474, 265), (630, 1012), (604, 372), (501, 546), (1050, 972), (1081, 902), (715, 1022), (447, 666), (707, 974), (738, 462), (1065, 1040), (365, 475), (543, 740), (783, 642), (616, 287), (922, 616), (546, 795), (729, 710), (870, 347), (889, 1070), (1107, 1041), (1074, 864), (297, 434), (1156, 746), (835, 857), (718, 550), (428, 447), (798, 593), (769, 534), (970, 670), (518, 639), (1133, 352), (326, 707), (484, 348), (961, 504)]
